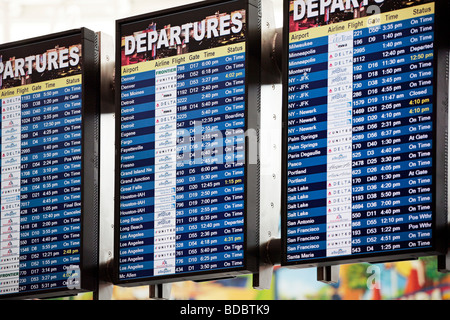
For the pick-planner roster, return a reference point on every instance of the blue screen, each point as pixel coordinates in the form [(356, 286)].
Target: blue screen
[(41, 167), (182, 144), (360, 110)]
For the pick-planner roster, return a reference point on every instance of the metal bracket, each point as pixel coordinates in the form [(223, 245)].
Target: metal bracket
[(273, 252), (107, 151), (444, 260), (160, 291), (444, 263), (272, 256), (328, 274), (270, 144)]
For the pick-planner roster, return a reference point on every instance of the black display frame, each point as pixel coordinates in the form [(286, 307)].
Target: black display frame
[(440, 156), (252, 121), (90, 112)]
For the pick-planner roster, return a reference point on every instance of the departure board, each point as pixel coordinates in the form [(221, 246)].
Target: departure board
[(186, 175), (47, 115), (365, 115)]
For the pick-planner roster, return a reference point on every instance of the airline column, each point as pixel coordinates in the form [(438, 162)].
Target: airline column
[(10, 196)]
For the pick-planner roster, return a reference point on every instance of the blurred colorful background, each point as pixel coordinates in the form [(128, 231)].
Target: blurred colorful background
[(408, 280)]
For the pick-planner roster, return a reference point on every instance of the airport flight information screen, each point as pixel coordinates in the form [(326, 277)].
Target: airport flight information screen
[(182, 142), (41, 164), (360, 120)]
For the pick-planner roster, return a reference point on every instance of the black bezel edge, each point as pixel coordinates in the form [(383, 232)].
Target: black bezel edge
[(440, 237), (253, 45), (90, 169)]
